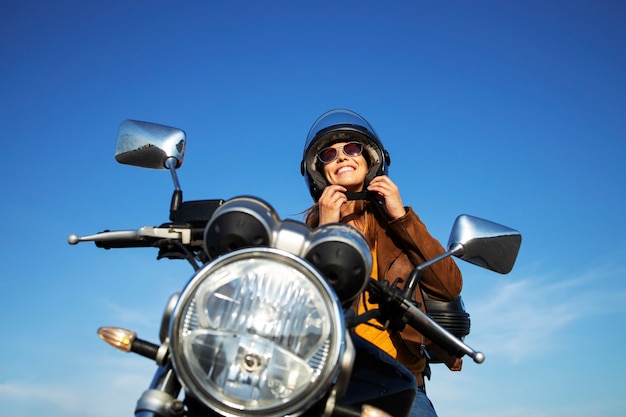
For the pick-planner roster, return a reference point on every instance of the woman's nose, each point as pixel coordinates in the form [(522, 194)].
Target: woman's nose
[(341, 155)]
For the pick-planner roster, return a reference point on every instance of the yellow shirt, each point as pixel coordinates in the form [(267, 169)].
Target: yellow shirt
[(382, 338)]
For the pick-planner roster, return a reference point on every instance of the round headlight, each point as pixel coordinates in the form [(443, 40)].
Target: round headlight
[(257, 332)]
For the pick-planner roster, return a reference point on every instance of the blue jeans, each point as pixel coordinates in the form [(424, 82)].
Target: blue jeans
[(422, 407), (378, 378)]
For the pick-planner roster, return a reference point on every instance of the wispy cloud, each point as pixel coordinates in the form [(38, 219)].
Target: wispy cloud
[(56, 397), (523, 318), (525, 324), (109, 387)]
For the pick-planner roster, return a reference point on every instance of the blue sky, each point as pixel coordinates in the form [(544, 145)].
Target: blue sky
[(510, 111)]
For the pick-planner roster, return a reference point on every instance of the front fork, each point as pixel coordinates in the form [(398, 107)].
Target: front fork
[(161, 398)]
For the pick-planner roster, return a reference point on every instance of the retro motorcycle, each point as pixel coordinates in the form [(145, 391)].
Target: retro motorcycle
[(264, 326)]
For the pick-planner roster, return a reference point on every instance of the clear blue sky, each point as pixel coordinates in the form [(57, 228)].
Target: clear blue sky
[(510, 111)]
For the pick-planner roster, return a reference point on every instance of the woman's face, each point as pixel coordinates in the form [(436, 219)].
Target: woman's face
[(349, 171)]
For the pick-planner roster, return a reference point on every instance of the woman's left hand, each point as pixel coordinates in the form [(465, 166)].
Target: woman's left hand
[(389, 194)]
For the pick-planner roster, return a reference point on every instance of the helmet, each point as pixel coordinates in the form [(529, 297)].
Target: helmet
[(340, 125)]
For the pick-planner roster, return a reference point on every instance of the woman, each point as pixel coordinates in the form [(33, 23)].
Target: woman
[(344, 159)]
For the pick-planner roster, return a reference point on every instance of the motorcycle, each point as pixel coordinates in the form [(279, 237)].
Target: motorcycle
[(264, 326)]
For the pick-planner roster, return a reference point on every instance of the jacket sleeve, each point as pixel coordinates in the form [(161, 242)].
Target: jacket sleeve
[(443, 280)]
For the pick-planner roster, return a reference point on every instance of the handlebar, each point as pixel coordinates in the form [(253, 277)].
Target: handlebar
[(188, 226), (391, 298)]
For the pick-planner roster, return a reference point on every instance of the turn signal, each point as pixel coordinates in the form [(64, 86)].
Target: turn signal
[(119, 338)]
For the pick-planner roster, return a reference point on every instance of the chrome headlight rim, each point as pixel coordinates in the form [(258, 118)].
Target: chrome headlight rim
[(335, 347)]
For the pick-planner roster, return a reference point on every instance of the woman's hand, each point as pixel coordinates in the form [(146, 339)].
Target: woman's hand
[(389, 194), (330, 202)]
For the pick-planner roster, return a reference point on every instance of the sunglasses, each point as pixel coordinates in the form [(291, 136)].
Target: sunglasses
[(328, 155)]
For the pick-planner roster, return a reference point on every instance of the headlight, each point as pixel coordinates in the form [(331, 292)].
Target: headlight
[(257, 332)]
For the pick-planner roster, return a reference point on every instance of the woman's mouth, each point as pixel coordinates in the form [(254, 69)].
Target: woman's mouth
[(345, 169)]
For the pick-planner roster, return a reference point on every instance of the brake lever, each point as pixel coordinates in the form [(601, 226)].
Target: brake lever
[(182, 234)]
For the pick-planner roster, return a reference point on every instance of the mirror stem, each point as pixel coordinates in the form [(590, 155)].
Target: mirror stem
[(416, 274), (172, 163), (177, 197)]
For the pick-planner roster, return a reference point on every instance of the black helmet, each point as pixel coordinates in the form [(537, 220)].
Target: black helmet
[(340, 125)]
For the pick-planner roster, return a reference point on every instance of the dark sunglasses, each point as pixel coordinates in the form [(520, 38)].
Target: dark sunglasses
[(329, 154)]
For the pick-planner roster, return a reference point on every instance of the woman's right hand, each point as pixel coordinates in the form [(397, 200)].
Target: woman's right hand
[(332, 199)]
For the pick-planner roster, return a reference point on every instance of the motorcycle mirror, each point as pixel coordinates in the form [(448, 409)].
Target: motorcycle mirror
[(484, 243), (149, 145)]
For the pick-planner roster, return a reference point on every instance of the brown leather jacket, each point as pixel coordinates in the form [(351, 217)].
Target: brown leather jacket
[(402, 244)]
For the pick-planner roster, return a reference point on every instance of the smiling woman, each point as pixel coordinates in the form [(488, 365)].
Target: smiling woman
[(340, 126), (345, 166)]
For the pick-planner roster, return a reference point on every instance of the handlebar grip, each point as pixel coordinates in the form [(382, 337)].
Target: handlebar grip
[(121, 244), (437, 334)]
